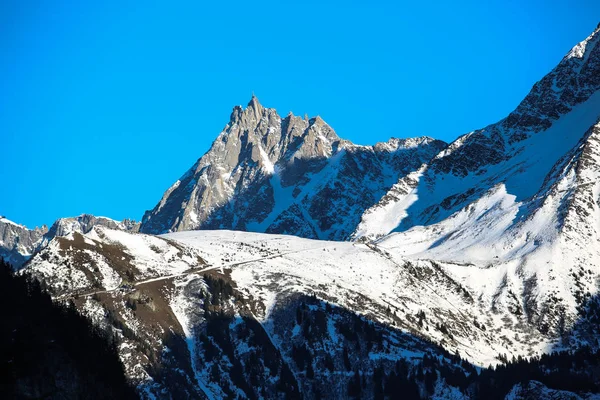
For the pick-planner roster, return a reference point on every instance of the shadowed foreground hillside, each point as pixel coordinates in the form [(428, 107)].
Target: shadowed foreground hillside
[(50, 351)]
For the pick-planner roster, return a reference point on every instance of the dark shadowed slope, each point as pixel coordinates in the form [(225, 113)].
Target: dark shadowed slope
[(51, 351)]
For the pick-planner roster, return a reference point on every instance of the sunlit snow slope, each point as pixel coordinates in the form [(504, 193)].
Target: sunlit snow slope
[(518, 201)]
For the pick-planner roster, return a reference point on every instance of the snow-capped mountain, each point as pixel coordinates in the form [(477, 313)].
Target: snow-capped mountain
[(485, 249), (207, 314), (296, 176), (517, 202), (84, 223), (287, 175), (17, 243), (520, 152)]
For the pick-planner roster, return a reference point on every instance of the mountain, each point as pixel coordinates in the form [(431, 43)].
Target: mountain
[(296, 176), (224, 314), (17, 243), (482, 252), (516, 204), (84, 223), (520, 153), (288, 175)]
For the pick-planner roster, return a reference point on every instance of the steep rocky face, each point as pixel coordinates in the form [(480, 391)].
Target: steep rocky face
[(288, 175), (17, 243)]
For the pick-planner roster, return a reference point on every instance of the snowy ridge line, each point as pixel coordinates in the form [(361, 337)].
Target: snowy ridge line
[(8, 221)]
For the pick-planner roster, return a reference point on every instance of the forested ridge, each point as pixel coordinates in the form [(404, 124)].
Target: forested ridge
[(48, 350)]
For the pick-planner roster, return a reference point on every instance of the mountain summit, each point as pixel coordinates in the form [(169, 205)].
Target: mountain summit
[(289, 175), (296, 176), (516, 201)]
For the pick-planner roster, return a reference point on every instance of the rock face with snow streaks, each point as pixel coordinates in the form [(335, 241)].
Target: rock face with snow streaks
[(287, 175), (17, 243), (519, 201), (488, 247)]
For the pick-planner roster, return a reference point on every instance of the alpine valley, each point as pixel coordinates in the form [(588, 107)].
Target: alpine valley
[(290, 263)]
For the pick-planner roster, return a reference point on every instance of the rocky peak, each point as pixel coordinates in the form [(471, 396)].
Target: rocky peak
[(570, 83), (262, 165), (259, 135), (85, 222), (396, 144), (17, 242), (255, 107), (251, 114), (82, 224)]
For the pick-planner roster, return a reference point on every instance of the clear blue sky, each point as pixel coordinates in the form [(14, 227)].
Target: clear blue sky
[(103, 106)]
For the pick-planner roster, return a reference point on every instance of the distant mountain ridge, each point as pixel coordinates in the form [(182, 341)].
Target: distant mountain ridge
[(18, 243)]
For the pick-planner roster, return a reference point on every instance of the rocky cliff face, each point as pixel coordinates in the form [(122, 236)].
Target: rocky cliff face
[(84, 223), (288, 175), (17, 243)]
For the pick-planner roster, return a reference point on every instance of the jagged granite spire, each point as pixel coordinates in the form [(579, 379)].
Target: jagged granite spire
[(290, 175), (17, 242)]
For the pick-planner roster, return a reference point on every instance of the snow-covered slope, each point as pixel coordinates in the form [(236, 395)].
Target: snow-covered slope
[(287, 175), (106, 259), (365, 279), (516, 204), (270, 268), (192, 308), (520, 152)]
